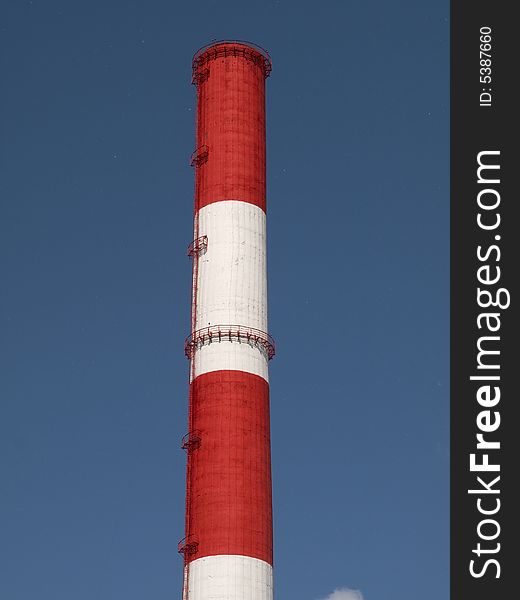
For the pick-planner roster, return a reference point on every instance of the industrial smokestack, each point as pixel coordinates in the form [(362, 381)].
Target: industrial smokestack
[(228, 552)]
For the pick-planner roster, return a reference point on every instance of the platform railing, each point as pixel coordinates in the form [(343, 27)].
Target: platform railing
[(229, 333)]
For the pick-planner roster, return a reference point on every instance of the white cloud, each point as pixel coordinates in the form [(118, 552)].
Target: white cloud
[(344, 594)]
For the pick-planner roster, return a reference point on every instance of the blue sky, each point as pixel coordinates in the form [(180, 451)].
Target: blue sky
[(96, 193)]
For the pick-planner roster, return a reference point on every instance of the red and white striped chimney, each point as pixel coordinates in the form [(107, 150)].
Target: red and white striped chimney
[(228, 551)]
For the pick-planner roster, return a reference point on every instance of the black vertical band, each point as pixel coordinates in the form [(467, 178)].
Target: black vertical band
[(485, 247)]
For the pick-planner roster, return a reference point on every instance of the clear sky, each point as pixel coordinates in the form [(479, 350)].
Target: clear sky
[(97, 127)]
